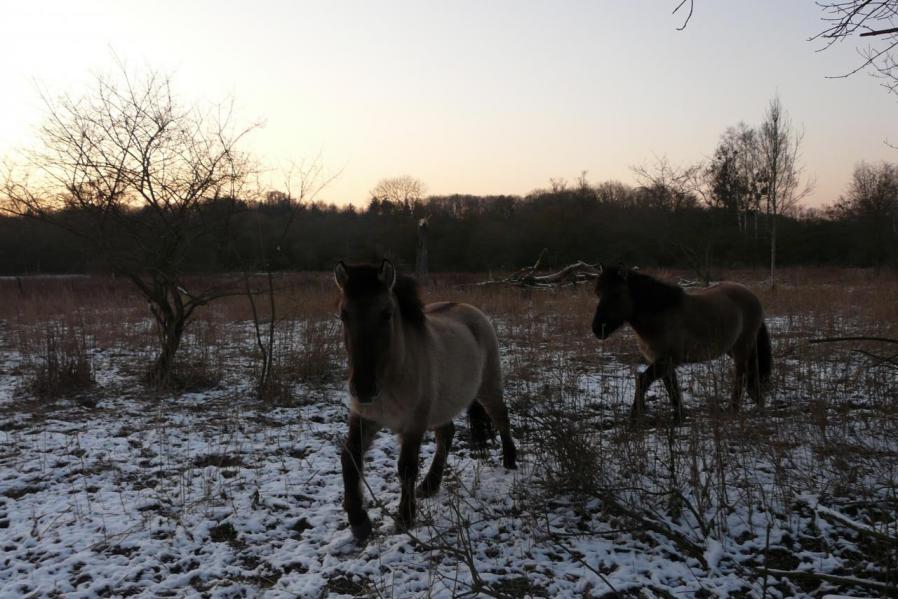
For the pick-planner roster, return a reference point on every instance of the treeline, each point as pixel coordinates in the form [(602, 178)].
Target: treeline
[(654, 225)]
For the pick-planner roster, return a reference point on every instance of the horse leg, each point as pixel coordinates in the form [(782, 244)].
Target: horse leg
[(361, 435), (408, 474), (745, 362), (431, 482), (498, 413), (481, 427), (754, 378), (738, 386), (673, 391), (656, 370)]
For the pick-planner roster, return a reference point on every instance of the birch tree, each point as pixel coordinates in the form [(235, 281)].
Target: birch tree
[(780, 151)]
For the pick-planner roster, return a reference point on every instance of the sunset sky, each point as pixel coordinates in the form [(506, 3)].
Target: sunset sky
[(470, 97)]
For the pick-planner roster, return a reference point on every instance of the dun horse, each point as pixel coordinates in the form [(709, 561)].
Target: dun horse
[(674, 327), (412, 368)]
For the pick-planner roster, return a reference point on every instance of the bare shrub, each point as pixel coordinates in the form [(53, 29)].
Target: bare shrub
[(316, 356), (201, 365), (306, 353), (63, 367)]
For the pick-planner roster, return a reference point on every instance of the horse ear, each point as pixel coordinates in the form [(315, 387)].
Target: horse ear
[(341, 276), (387, 274)]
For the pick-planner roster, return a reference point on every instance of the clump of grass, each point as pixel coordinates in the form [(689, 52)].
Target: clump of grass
[(200, 360), (63, 366), (315, 358)]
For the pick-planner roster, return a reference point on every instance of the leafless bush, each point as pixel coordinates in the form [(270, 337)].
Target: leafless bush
[(63, 366), (201, 365), (304, 353)]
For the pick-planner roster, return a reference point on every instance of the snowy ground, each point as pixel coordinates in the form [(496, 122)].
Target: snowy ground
[(210, 494)]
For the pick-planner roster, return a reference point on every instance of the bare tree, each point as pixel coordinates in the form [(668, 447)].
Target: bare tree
[(871, 206), (557, 184), (735, 175), (780, 150), (669, 186), (876, 22), (141, 179), (404, 190), (303, 182)]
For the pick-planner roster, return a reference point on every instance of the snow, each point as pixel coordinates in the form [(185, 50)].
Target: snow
[(211, 494)]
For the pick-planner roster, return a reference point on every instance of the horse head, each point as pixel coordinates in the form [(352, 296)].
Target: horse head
[(615, 302), (370, 315)]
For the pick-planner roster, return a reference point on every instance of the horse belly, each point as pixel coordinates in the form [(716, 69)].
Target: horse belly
[(452, 401), (458, 381), (388, 411)]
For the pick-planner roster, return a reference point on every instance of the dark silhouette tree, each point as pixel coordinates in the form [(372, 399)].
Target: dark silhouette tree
[(144, 182), (871, 208), (404, 191), (735, 177)]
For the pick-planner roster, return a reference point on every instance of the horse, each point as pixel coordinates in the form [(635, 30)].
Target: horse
[(676, 327), (412, 368)]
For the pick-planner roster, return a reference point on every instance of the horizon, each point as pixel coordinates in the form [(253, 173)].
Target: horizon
[(469, 99)]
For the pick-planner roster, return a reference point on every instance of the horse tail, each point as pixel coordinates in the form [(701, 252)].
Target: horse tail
[(765, 356), (481, 426)]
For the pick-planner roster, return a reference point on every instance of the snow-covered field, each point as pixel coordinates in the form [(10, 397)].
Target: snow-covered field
[(211, 494)]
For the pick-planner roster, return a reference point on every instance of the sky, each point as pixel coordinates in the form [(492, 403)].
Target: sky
[(467, 96)]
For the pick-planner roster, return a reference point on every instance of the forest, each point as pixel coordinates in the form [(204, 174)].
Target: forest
[(649, 225)]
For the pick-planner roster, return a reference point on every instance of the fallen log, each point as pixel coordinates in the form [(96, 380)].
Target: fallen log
[(572, 274)]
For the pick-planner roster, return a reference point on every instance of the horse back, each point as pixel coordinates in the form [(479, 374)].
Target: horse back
[(462, 344), (455, 324), (729, 296), (717, 319)]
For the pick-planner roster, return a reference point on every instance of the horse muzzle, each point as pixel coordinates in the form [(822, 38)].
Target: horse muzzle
[(603, 330), (364, 395), (367, 399)]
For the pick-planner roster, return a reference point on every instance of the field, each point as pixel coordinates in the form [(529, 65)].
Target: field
[(108, 488)]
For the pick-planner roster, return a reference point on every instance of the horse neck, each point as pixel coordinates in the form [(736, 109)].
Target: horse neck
[(640, 323), (643, 321), (648, 312)]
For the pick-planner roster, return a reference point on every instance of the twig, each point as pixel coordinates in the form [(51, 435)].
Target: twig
[(841, 580), (841, 339), (880, 32)]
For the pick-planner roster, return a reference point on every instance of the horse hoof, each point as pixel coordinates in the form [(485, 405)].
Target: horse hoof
[(404, 524), (362, 530), (426, 490)]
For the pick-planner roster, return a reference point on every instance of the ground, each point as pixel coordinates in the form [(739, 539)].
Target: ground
[(116, 490)]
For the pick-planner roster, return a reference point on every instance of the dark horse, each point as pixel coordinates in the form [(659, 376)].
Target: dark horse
[(674, 327), (412, 368)]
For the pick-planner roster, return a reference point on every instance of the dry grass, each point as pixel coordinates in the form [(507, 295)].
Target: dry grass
[(61, 366), (766, 478)]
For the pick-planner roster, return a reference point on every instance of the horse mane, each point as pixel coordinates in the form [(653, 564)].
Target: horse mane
[(410, 305), (364, 282), (653, 295)]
